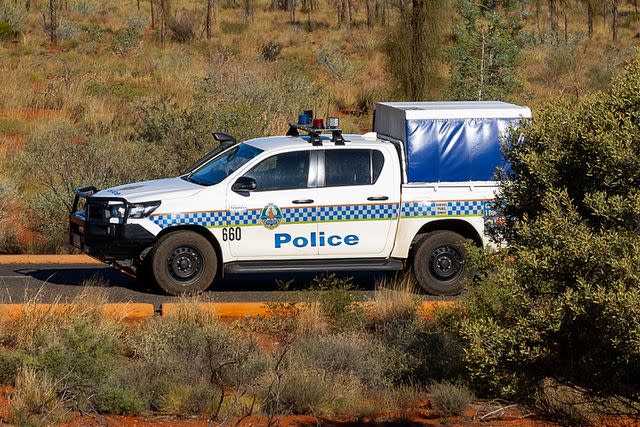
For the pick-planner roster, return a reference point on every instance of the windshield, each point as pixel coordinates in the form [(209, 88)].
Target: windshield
[(224, 165)]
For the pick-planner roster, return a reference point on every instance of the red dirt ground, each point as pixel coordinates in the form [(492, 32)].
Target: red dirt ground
[(422, 417), (31, 113)]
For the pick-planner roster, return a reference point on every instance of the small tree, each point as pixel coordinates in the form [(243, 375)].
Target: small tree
[(486, 51), (415, 49), (564, 302)]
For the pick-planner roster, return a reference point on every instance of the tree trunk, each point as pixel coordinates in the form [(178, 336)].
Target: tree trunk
[(208, 20), (614, 19), (590, 18), (53, 22), (27, 4), (153, 16), (553, 12), (369, 13), (138, 4)]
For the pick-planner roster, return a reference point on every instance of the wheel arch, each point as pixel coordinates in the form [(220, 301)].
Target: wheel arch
[(204, 232), (462, 227)]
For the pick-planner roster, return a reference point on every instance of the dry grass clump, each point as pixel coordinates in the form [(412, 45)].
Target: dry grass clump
[(36, 401), (395, 298), (449, 399), (566, 405)]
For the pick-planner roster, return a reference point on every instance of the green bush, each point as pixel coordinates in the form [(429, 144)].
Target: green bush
[(449, 399), (118, 401), (10, 363), (12, 19), (565, 303), (75, 157), (337, 301), (191, 352), (81, 357), (127, 39)]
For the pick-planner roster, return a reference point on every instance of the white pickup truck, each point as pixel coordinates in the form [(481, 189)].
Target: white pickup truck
[(406, 195)]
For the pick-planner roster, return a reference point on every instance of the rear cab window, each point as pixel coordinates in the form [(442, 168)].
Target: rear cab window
[(353, 166)]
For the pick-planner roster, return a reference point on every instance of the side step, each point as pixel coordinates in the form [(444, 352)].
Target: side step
[(302, 265)]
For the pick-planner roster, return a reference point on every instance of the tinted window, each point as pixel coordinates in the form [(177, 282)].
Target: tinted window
[(352, 167), (224, 165), (285, 171)]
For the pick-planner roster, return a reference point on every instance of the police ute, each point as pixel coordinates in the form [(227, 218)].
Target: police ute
[(407, 195)]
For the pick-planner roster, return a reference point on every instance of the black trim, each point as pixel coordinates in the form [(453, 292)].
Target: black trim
[(356, 264), (94, 234)]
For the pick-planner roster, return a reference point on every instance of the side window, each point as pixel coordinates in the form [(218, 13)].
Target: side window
[(352, 167), (286, 171)]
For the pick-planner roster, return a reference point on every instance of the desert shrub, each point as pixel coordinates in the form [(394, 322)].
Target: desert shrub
[(89, 8), (184, 399), (565, 304), (449, 399), (334, 62), (35, 401), (82, 355), (310, 390), (118, 400), (74, 159), (12, 19), (349, 354), (9, 242), (560, 61), (10, 363), (127, 39), (67, 30), (225, 103), (271, 51), (565, 405), (188, 353), (183, 26), (337, 301)]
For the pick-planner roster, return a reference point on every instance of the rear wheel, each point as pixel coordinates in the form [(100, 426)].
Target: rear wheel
[(183, 263), (439, 263)]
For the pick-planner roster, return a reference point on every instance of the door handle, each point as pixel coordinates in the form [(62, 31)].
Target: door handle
[(302, 201), (372, 198)]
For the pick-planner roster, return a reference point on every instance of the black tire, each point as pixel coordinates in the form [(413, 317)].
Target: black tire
[(439, 263), (183, 263)]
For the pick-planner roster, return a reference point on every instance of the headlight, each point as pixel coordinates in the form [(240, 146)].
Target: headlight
[(142, 210), (116, 211)]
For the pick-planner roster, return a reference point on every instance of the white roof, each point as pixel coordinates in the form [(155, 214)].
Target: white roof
[(274, 142), (458, 110)]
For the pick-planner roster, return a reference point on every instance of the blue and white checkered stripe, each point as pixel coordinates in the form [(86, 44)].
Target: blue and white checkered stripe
[(289, 215), (358, 212), (417, 209)]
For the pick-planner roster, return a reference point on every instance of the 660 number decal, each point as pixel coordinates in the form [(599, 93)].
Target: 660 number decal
[(231, 234)]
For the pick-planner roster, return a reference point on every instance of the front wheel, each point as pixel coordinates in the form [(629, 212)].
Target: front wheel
[(183, 263), (439, 263)]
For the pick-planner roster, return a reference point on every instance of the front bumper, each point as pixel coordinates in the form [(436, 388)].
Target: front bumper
[(96, 234)]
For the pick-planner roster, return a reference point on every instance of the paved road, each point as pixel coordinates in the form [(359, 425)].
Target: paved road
[(51, 283)]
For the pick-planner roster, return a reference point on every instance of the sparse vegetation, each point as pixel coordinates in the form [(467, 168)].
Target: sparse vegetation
[(190, 363), (449, 399)]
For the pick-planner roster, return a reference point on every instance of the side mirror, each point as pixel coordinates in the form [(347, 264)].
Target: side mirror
[(244, 183)]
